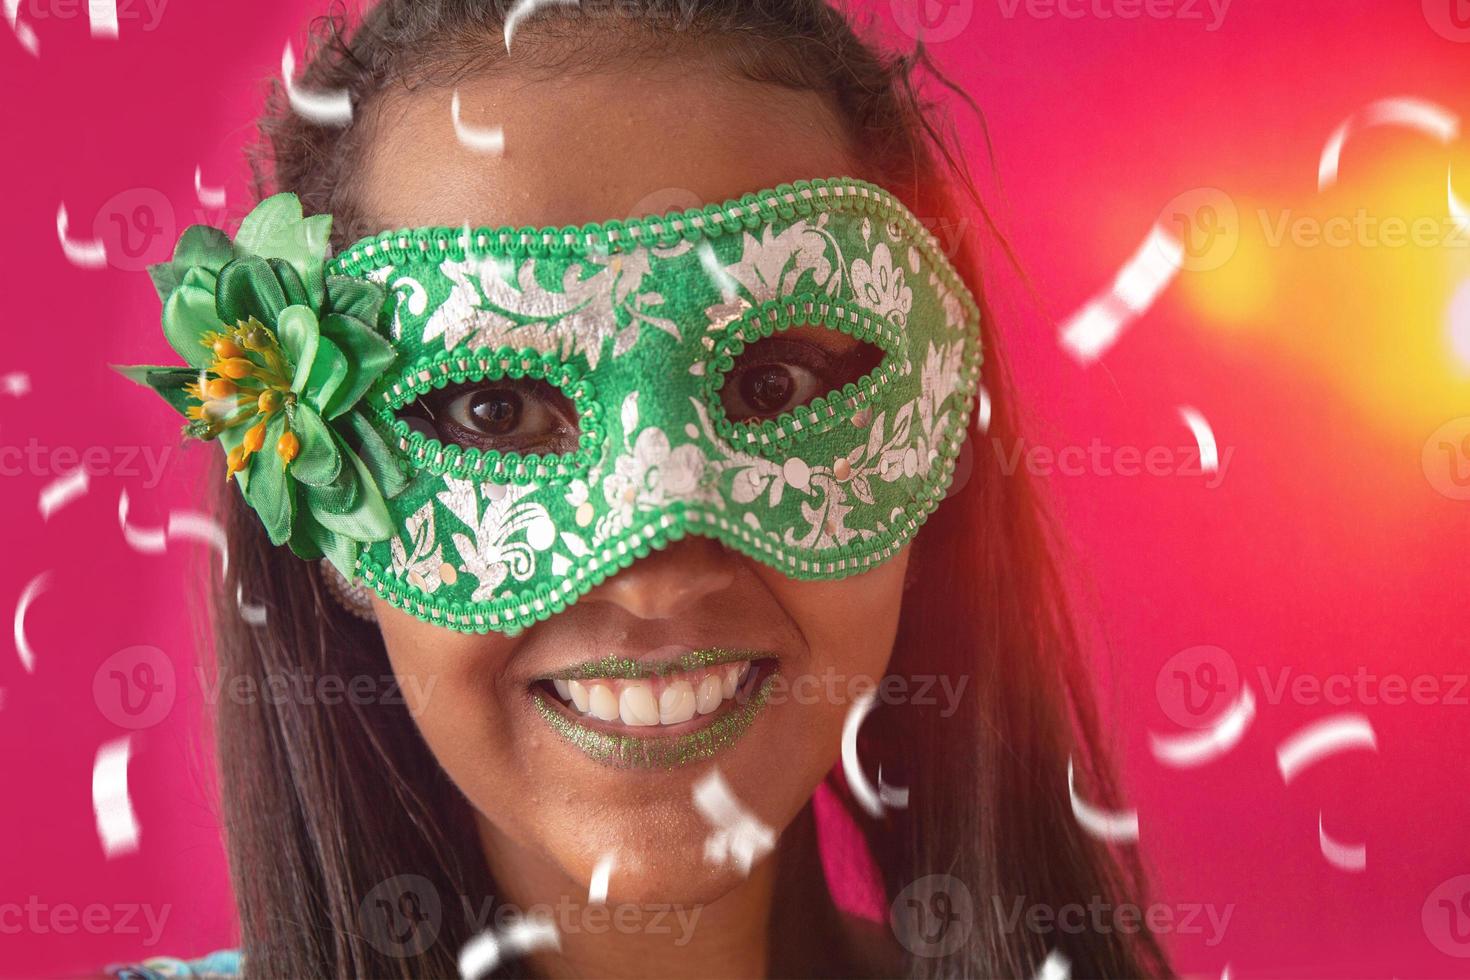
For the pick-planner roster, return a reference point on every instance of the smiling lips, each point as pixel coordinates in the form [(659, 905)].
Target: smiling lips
[(654, 701), (631, 713)]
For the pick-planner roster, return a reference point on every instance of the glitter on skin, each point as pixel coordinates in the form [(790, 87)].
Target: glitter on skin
[(612, 667), (633, 752)]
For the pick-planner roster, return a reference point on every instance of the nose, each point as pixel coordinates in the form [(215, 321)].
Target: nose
[(670, 581)]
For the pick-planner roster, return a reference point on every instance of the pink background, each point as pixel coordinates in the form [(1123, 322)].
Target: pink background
[(1327, 547)]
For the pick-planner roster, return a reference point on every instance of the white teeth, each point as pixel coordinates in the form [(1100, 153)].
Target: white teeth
[(653, 701), (728, 681), (676, 704), (577, 691), (636, 706), (707, 698), (603, 701)]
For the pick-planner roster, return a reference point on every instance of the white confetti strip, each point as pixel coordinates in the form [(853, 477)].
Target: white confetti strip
[(210, 197), (728, 287), (193, 526), (148, 541), (1197, 748), (1096, 327), (481, 139), (524, 9), (597, 890), (23, 32), (253, 614), (1416, 114), (983, 412), (16, 383), (1108, 825), (1056, 967), (323, 108), (868, 798), (739, 837), (33, 588), (62, 491), (102, 15), (1459, 210), (1204, 436), (1348, 857), (484, 953), (84, 255), (1315, 742), (117, 825)]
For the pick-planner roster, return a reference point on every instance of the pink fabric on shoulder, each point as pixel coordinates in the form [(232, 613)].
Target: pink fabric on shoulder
[(852, 875)]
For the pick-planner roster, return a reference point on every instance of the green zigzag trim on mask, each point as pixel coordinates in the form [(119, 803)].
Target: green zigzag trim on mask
[(639, 322)]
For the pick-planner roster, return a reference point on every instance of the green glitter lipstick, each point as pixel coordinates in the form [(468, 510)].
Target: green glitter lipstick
[(622, 667)]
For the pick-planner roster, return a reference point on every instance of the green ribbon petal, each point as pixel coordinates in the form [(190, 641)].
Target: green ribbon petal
[(248, 288), (189, 313), (328, 372), (360, 433), (311, 540), (368, 356), (199, 245), (366, 521), (319, 462), (290, 281), (361, 299), (303, 541), (299, 334), (340, 496), (271, 494), (169, 382), (276, 230)]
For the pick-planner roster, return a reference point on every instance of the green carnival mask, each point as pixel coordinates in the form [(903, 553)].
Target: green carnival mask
[(638, 323)]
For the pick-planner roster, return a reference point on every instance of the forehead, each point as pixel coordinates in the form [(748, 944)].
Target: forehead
[(591, 148)]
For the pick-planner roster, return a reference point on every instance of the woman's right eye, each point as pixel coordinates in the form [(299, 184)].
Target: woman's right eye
[(520, 415)]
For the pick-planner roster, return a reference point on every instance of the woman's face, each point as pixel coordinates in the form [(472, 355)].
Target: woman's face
[(589, 149)]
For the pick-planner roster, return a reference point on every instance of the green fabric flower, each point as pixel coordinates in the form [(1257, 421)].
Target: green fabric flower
[(280, 355)]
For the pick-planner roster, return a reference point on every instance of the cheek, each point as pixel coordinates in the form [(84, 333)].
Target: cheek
[(453, 687), (849, 626), (849, 623)]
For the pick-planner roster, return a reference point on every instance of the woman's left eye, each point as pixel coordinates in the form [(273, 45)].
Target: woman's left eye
[(779, 373), (521, 415)]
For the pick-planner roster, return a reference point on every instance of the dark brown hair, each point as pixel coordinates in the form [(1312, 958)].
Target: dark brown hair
[(322, 803)]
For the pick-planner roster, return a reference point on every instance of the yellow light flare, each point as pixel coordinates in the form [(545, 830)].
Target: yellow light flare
[(1356, 283)]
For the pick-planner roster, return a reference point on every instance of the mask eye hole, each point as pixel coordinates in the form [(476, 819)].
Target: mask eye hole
[(506, 415), (788, 369)]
